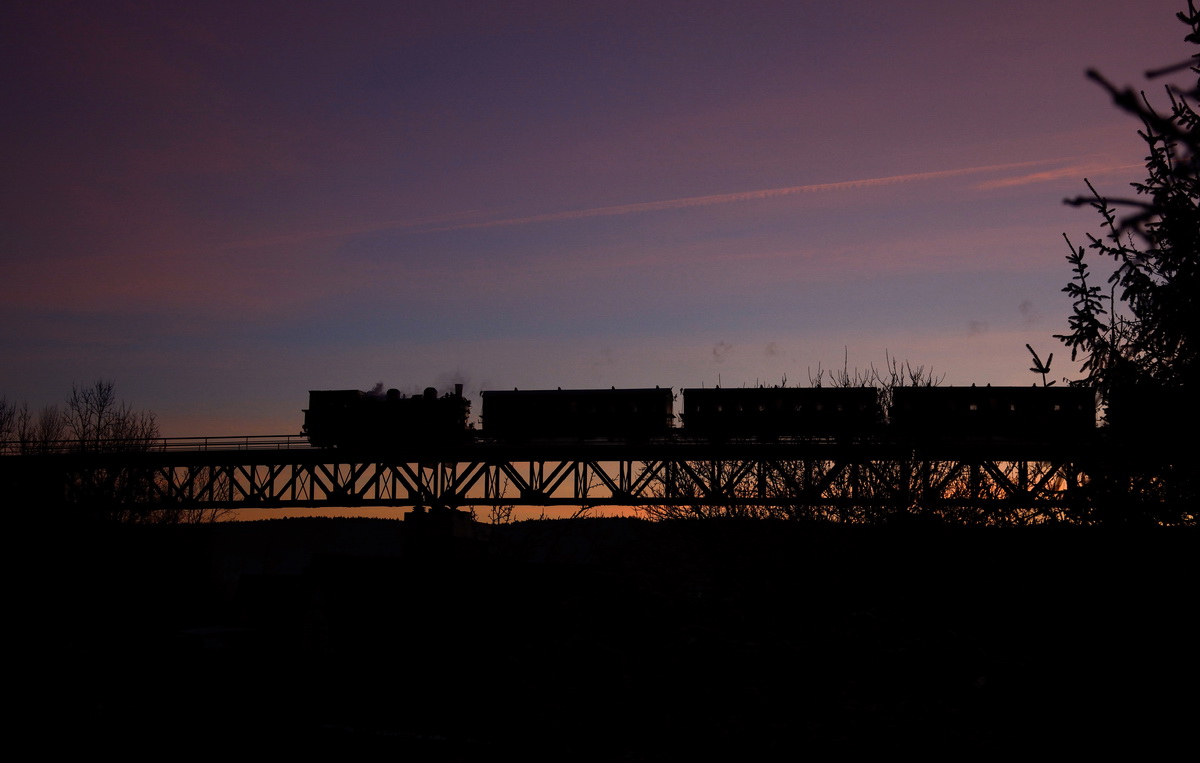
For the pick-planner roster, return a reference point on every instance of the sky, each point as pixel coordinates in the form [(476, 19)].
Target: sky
[(220, 206)]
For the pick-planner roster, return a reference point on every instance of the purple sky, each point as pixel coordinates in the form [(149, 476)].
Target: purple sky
[(223, 205)]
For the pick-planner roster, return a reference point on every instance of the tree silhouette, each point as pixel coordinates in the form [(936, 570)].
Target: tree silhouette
[(1137, 337), (97, 421), (1039, 367), (1141, 336), (858, 497), (79, 465)]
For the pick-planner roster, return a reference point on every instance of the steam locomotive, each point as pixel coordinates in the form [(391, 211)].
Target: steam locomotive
[(351, 418), (342, 418)]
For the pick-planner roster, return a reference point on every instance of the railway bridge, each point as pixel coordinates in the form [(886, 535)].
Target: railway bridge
[(1008, 482)]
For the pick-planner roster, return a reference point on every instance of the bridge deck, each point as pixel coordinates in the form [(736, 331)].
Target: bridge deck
[(1034, 479)]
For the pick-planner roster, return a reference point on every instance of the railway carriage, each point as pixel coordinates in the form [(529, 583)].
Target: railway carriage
[(522, 415), (1034, 413), (773, 412)]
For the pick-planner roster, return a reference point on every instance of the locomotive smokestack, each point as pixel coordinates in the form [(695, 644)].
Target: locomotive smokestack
[(458, 390)]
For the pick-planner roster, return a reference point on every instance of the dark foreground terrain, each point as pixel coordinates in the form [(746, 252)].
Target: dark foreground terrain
[(617, 639)]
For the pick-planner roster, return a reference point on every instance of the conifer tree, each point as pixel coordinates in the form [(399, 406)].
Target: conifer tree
[(1141, 334), (1137, 334)]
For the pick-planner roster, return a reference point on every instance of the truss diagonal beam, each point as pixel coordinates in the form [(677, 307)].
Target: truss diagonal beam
[(573, 475)]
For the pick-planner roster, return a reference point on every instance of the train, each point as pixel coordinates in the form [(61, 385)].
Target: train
[(352, 418), (341, 418), (635, 414)]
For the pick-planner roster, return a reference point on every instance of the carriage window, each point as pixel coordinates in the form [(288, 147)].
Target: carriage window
[(973, 407)]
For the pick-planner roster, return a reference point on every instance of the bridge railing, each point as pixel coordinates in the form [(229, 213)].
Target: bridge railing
[(159, 444), (237, 442)]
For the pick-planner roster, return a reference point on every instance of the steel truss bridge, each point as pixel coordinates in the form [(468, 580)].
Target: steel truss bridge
[(1009, 482)]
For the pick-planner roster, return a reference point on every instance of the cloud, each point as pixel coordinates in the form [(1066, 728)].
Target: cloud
[(720, 350), (1030, 315), (354, 230)]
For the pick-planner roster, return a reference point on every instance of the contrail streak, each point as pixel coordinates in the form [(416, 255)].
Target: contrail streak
[(455, 221), (1074, 171), (732, 198)]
